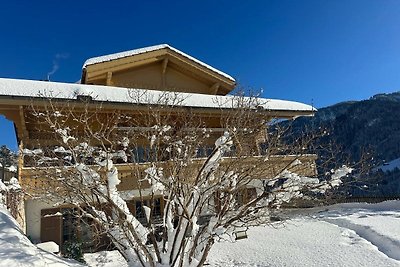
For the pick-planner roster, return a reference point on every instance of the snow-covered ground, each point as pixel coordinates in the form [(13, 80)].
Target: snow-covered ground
[(105, 259), (340, 235), (16, 249)]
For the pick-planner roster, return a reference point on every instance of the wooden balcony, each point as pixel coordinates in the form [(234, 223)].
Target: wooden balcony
[(132, 174)]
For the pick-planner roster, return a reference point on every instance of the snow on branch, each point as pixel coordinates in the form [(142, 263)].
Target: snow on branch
[(164, 182)]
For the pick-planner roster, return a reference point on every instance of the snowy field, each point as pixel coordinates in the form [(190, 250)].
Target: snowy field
[(339, 235)]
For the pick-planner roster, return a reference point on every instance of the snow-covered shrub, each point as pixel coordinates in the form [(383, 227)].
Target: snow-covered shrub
[(183, 183)]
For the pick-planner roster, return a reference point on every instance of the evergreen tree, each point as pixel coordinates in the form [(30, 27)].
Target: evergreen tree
[(7, 157)]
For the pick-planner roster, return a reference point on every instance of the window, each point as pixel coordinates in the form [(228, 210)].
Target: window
[(157, 207), (141, 154), (139, 211), (203, 152), (136, 207)]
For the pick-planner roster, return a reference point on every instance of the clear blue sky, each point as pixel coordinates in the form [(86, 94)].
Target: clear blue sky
[(320, 52)]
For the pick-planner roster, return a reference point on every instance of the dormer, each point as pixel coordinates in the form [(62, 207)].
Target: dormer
[(159, 67)]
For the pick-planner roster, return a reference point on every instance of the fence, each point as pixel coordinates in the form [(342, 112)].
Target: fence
[(372, 199), (310, 203), (13, 199)]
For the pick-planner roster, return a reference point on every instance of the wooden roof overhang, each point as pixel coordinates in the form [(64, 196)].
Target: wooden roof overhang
[(18, 108), (15, 102)]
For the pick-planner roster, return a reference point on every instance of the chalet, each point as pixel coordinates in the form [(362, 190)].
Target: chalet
[(109, 80)]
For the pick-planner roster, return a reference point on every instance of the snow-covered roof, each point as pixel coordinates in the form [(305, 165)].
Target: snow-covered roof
[(129, 53), (35, 89)]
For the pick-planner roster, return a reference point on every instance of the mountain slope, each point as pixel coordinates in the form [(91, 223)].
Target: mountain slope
[(372, 124), (359, 127)]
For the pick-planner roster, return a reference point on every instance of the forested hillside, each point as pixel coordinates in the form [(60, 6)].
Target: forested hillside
[(360, 127)]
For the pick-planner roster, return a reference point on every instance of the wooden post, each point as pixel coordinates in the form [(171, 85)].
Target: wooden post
[(163, 72), (214, 88), (23, 123), (109, 77)]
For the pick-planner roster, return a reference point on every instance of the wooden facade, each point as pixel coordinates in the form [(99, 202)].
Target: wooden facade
[(164, 69)]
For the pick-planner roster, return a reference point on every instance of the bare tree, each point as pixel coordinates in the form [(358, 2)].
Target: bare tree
[(164, 181)]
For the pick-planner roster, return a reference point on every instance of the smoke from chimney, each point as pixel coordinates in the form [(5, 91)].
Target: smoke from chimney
[(56, 64)]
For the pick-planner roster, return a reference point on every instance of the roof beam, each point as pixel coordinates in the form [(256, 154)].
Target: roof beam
[(109, 67), (164, 65), (163, 71), (202, 70), (109, 77), (214, 88), (23, 123)]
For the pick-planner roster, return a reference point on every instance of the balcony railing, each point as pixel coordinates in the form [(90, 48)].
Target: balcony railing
[(132, 174)]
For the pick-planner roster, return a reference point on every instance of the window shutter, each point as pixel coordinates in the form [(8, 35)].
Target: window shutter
[(50, 225)]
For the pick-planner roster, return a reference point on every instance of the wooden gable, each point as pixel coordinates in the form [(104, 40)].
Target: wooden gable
[(160, 69)]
